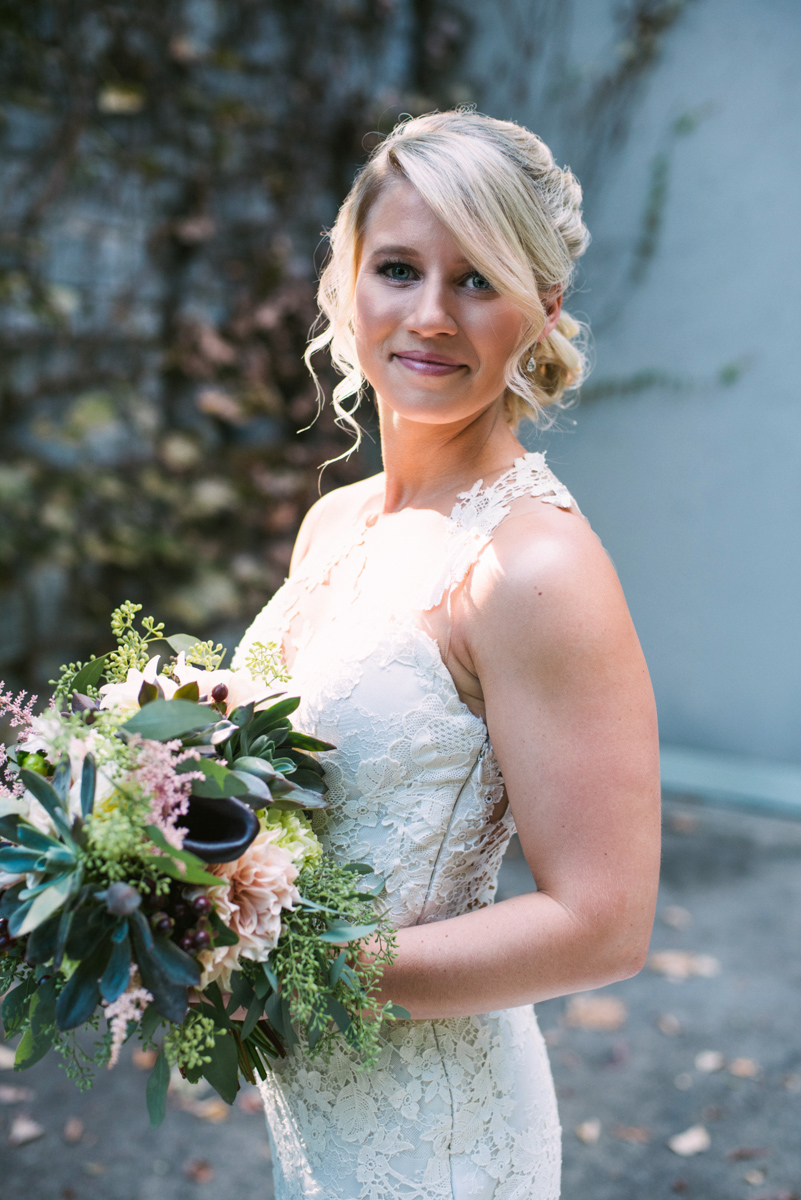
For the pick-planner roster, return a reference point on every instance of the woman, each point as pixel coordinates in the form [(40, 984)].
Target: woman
[(456, 630)]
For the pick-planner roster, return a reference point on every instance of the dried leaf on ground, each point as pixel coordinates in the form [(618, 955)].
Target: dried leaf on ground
[(588, 1132), (7, 1056), (679, 1185), (677, 917), (744, 1153), (602, 1013), (637, 1135), (250, 1103), (199, 1170), (745, 1068), (754, 1177), (694, 1140), (15, 1095), (679, 965), (24, 1130), (668, 1024), (73, 1130), (708, 1061), (145, 1060), (792, 1083), (213, 1109)]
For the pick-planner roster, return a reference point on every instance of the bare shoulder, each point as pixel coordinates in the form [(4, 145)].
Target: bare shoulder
[(333, 514), (545, 590)]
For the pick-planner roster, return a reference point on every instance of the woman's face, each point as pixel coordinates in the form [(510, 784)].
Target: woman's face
[(432, 335)]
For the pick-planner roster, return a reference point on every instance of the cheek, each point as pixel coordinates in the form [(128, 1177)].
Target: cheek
[(375, 316)]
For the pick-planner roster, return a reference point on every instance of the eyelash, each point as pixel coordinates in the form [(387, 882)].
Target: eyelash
[(384, 267)]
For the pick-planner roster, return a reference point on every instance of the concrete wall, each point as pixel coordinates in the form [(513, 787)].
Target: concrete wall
[(686, 448)]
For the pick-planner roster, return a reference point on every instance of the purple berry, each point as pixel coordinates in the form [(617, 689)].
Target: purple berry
[(180, 912), (219, 693), (201, 905), (202, 939), (187, 942), (162, 922)]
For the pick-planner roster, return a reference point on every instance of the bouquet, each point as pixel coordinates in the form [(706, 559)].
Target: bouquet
[(160, 877)]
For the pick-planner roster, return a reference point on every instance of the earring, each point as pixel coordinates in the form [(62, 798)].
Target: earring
[(531, 365)]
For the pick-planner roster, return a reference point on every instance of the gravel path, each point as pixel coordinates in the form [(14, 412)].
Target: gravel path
[(635, 1064)]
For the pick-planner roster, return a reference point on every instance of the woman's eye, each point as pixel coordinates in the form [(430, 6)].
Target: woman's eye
[(478, 283), (400, 272)]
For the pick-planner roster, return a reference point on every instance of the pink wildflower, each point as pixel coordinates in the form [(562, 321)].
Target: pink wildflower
[(156, 776), (21, 711), (11, 786), (130, 1006)]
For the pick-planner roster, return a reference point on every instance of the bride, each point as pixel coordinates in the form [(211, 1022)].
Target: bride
[(457, 631)]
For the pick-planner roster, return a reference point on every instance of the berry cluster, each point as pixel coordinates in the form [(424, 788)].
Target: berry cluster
[(182, 915), (7, 942)]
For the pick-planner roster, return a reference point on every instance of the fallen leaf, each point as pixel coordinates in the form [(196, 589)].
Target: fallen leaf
[(635, 1134), (145, 1060), (24, 1130), (73, 1130), (745, 1068), (743, 1153), (601, 1013), (679, 965), (679, 1185), (251, 1103), (199, 1170), (94, 1168), (7, 1056), (692, 1141), (213, 1109), (15, 1095), (683, 823), (677, 917), (708, 1061), (712, 1113), (668, 1024), (792, 1083), (754, 1177), (588, 1132), (68, 1193)]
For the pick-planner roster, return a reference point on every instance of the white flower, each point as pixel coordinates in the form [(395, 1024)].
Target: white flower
[(124, 697), (242, 686)]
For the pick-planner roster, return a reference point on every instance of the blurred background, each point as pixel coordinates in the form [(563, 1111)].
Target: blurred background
[(166, 170)]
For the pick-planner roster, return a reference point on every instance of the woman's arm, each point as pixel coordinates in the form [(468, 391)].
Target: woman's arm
[(570, 711)]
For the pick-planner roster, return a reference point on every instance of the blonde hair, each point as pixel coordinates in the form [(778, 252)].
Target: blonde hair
[(517, 217)]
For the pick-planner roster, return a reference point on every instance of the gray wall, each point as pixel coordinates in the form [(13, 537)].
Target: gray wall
[(686, 447)]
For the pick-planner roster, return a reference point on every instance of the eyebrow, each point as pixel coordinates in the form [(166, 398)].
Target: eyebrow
[(403, 252)]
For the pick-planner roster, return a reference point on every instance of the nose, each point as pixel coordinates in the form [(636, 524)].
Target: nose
[(430, 312)]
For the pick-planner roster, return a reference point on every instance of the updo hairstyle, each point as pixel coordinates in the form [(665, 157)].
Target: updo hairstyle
[(514, 214)]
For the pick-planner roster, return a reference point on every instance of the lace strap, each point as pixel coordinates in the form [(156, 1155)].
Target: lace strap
[(482, 509)]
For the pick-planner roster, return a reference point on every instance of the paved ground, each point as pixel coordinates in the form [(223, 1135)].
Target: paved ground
[(731, 893)]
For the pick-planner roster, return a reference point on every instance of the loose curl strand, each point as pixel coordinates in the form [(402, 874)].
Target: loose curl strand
[(515, 215)]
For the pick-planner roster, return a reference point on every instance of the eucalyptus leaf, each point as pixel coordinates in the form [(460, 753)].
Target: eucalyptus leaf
[(181, 642), (149, 1023), (175, 963), (90, 675), (164, 720), (255, 1009), (91, 923), (223, 1070), (116, 976), (399, 1012), (169, 998), (158, 1082), (344, 932), (340, 1014), (43, 941), (88, 780), (81, 993), (335, 968)]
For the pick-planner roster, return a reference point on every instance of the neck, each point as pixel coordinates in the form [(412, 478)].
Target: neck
[(426, 464)]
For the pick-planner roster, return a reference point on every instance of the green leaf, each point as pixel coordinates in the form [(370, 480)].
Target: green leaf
[(358, 868), (149, 1023), (14, 1010), (148, 692), (175, 963), (38, 1037), (302, 741), (15, 859), (340, 1014), (398, 1012), (307, 762), (309, 781), (61, 781), (89, 676), (46, 903), (255, 1009), (255, 766), (192, 870), (90, 924), (223, 936), (10, 901), (181, 642), (169, 998), (341, 931), (81, 993), (43, 791), (189, 691), (114, 979), (88, 779), (42, 942), (241, 993), (156, 1090), (223, 1070), (254, 786), (219, 780), (28, 835), (269, 717), (335, 968), (181, 872), (243, 715), (164, 720)]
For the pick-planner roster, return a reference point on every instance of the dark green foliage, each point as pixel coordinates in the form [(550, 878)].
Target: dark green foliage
[(156, 1090)]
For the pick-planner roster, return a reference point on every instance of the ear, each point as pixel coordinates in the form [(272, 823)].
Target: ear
[(553, 311)]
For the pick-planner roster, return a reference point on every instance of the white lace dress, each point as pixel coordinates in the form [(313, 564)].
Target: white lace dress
[(457, 1109)]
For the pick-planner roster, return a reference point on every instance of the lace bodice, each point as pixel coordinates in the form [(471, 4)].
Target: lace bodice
[(414, 788)]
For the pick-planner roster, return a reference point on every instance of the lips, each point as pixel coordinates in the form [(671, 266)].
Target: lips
[(428, 363)]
